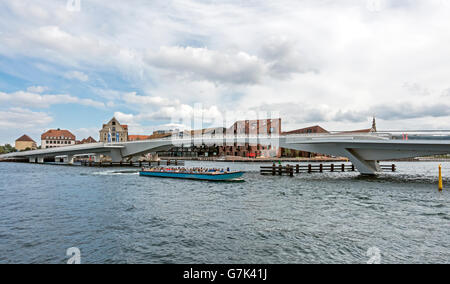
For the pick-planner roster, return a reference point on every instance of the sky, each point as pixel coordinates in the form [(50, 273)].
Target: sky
[(74, 64)]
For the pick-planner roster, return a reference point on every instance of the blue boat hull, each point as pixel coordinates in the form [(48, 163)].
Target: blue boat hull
[(209, 177)]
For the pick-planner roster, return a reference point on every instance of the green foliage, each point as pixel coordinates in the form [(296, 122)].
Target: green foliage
[(7, 149)]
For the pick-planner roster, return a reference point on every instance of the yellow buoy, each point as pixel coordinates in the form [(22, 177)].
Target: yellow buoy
[(440, 178)]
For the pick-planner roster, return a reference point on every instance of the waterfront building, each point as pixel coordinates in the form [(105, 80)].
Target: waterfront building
[(161, 132), (24, 143), (57, 138), (87, 141), (252, 127), (155, 135), (244, 127), (289, 153), (113, 131), (138, 137)]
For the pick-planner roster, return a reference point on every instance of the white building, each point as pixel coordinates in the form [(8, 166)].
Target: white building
[(57, 138)]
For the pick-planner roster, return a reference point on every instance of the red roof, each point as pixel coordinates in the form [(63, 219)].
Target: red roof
[(58, 133), (25, 138), (359, 131), (87, 141), (307, 130), (138, 137)]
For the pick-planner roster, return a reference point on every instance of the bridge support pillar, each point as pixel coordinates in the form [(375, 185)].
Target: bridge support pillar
[(97, 158), (32, 159), (116, 155), (40, 160), (69, 160), (364, 167)]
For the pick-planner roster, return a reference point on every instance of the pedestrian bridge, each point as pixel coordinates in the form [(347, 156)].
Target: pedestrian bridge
[(363, 150)]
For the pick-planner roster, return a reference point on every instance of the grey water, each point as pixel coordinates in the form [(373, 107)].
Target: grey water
[(115, 216)]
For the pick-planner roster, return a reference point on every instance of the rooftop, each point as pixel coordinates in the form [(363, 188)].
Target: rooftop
[(58, 133), (25, 138)]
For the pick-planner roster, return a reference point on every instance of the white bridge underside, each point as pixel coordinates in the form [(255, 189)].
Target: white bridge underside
[(363, 151)]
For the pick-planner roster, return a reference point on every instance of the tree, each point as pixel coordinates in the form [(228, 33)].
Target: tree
[(7, 149)]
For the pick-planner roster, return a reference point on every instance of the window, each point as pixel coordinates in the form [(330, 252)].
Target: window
[(113, 129), (113, 123)]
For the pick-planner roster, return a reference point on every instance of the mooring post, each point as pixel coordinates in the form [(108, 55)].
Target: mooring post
[(440, 186), (309, 168), (297, 168), (280, 170), (332, 167), (343, 167), (291, 171), (273, 169), (353, 168), (321, 168), (393, 167)]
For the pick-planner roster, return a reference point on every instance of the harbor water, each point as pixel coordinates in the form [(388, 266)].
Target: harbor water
[(115, 216)]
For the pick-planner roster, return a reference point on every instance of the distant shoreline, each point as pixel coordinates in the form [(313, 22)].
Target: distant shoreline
[(294, 160)]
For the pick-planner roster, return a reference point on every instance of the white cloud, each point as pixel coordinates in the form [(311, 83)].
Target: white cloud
[(37, 89), (316, 61), (19, 118), (133, 98), (32, 100), (76, 75), (82, 133), (239, 68)]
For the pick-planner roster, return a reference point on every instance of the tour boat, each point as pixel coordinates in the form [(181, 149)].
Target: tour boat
[(209, 176)]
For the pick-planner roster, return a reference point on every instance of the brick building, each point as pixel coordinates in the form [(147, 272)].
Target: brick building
[(244, 127), (294, 153), (252, 127)]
